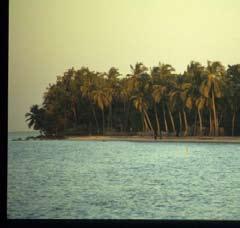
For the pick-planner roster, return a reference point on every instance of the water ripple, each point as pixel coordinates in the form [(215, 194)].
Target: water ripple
[(75, 180)]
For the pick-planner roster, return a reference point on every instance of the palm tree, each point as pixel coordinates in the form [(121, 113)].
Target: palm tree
[(112, 79), (35, 118), (141, 105), (161, 72), (109, 94), (74, 98), (211, 86), (157, 93), (160, 78), (232, 92), (134, 79), (87, 90), (125, 94), (58, 100), (102, 101), (194, 75), (200, 103), (177, 99), (139, 86), (200, 97)]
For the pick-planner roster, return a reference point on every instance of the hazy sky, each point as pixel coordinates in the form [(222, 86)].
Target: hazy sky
[(46, 37)]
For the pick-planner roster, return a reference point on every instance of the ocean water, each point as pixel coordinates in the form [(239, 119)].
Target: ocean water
[(63, 179)]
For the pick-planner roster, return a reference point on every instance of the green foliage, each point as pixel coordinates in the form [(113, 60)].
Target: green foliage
[(147, 99)]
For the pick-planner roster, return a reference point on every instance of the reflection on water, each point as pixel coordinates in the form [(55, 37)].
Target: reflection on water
[(73, 179)]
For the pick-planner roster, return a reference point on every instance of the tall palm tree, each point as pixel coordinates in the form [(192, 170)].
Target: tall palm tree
[(177, 99), (194, 75), (161, 75), (157, 93), (200, 103), (124, 95), (111, 87), (160, 72), (134, 79), (232, 92), (87, 88), (102, 101), (141, 105), (139, 86), (109, 92), (211, 86)]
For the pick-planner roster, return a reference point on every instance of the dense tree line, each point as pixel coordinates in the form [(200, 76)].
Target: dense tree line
[(204, 100)]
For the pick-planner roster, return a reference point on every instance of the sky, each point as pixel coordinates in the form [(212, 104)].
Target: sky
[(47, 37)]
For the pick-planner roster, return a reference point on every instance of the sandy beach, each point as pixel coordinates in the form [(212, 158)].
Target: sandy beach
[(196, 139)]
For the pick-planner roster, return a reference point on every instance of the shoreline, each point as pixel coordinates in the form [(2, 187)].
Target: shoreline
[(175, 139), (192, 139)]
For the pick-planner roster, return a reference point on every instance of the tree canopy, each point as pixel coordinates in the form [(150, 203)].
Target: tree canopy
[(204, 100)]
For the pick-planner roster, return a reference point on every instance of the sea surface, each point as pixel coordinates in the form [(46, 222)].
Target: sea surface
[(63, 179)]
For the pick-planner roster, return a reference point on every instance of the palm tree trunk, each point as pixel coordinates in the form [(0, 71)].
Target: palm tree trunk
[(172, 121), (180, 122), (165, 121), (95, 117), (110, 117), (103, 121), (220, 120), (233, 123), (65, 120), (215, 115), (74, 109), (127, 116), (186, 123), (157, 120), (210, 124), (195, 124), (148, 120), (200, 121), (124, 111), (146, 128), (143, 122), (89, 120)]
